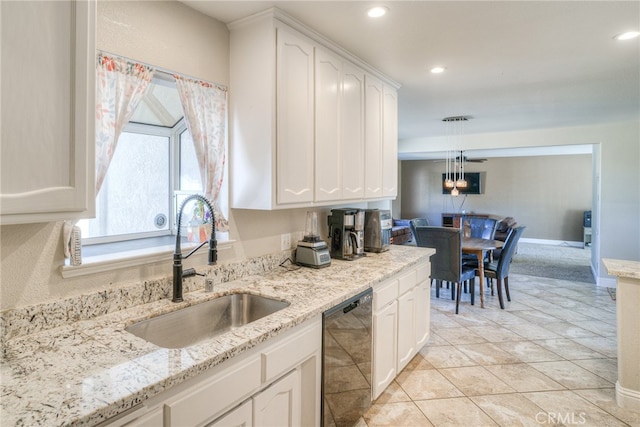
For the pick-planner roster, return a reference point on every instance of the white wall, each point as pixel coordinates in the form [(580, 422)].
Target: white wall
[(619, 204)]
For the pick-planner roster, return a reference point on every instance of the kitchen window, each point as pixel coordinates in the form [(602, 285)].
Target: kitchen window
[(136, 199), (154, 164)]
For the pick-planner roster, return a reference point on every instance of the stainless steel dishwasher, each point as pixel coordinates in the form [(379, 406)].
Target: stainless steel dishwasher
[(346, 361)]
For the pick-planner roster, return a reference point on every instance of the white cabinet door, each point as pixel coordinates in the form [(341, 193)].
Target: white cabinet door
[(48, 104), (390, 143), (242, 416), (279, 405), (385, 339), (327, 145), (294, 118), (352, 132), (406, 328), (373, 137), (423, 307)]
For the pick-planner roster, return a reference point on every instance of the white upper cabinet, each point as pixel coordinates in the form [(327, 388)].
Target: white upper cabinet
[(390, 143), (48, 109), (352, 132), (297, 117), (271, 111), (327, 143), (373, 137)]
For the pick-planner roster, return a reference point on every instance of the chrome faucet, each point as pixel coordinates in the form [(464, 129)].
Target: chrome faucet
[(177, 254)]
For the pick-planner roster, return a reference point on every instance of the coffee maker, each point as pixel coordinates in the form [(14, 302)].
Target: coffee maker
[(346, 233), (377, 230)]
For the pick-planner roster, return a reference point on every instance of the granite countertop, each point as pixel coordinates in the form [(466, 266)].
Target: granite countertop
[(90, 370), (622, 268)]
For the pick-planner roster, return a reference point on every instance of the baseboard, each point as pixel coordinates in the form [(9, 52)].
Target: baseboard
[(551, 242), (627, 398), (607, 282)]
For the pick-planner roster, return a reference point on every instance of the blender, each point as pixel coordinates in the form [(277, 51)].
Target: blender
[(312, 251)]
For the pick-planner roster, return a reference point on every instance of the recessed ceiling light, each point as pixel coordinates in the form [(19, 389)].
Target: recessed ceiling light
[(377, 12), (627, 35), (437, 70)]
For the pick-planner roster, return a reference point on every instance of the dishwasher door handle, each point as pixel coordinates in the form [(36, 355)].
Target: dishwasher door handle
[(351, 306)]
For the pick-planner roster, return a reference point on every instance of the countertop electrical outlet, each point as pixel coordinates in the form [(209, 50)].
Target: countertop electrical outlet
[(285, 241)]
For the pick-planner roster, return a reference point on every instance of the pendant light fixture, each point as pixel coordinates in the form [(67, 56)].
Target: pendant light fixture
[(455, 161)]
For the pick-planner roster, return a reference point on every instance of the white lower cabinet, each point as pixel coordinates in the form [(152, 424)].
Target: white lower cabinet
[(406, 328), (400, 323), (276, 383), (385, 353), (423, 306), (242, 416), (279, 405), (153, 418)]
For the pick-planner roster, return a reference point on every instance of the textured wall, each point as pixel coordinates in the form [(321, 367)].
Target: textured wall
[(166, 34)]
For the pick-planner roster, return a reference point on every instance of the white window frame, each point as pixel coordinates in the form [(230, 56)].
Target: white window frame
[(174, 180)]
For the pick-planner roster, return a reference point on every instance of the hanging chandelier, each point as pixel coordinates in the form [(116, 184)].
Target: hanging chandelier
[(454, 168)]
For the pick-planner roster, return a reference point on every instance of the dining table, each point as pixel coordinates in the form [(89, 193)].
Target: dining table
[(478, 247)]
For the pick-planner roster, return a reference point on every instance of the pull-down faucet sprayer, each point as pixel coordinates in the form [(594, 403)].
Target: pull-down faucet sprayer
[(177, 254)]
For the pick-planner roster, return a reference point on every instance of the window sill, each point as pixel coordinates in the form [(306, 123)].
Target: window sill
[(109, 262)]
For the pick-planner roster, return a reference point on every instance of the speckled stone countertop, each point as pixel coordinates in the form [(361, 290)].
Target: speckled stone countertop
[(84, 372), (622, 268)]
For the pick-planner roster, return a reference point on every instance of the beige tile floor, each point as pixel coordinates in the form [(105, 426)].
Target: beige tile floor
[(548, 359)]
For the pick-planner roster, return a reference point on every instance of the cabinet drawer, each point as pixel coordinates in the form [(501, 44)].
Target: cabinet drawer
[(151, 419), (384, 294), (292, 352), (215, 396), (406, 281), (423, 272)]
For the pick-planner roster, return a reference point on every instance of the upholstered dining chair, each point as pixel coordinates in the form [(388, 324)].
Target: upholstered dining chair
[(499, 269), (446, 263), (417, 222), (481, 228)]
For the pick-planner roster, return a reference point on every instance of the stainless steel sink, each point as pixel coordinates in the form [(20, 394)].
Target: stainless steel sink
[(195, 323)]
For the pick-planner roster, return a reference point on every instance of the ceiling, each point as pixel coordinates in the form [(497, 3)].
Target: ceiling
[(510, 65)]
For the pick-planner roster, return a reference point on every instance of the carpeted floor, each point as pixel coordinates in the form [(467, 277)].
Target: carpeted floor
[(556, 262)]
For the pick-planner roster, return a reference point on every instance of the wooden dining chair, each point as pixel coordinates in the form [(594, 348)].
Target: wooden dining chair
[(446, 263), (499, 269)]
